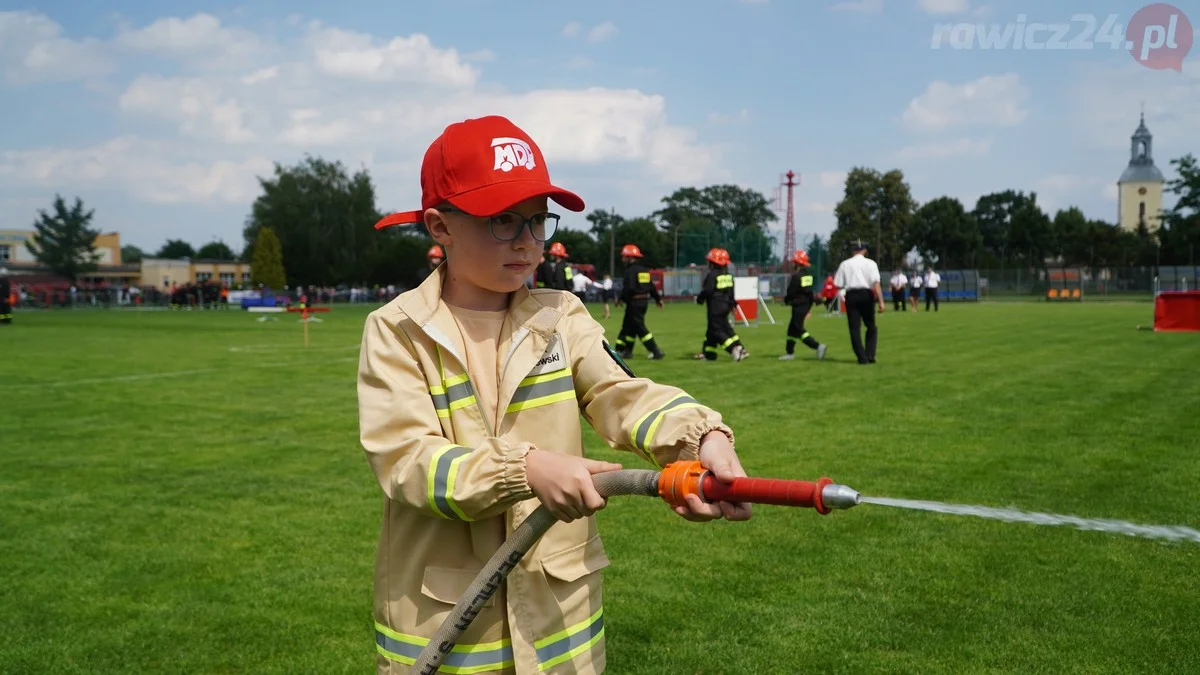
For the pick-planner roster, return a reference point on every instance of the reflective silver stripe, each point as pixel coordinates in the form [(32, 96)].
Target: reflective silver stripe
[(546, 387), (441, 481), (459, 392), (647, 423), (461, 660), (578, 639), (440, 401)]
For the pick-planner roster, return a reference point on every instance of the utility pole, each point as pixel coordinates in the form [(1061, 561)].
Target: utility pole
[(612, 244)]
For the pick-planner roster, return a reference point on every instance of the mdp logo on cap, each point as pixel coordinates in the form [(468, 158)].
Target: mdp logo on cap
[(1159, 36)]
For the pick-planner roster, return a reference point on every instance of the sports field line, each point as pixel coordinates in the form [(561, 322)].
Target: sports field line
[(138, 377)]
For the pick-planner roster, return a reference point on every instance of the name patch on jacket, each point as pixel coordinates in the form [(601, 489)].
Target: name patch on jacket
[(553, 359)]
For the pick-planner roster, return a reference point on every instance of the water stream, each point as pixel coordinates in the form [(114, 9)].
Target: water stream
[(1170, 532)]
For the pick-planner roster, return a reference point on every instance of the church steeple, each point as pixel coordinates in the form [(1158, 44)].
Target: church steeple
[(1140, 188), (1141, 158)]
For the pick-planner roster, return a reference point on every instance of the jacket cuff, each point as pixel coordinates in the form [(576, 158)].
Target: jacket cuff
[(516, 479), (691, 439)]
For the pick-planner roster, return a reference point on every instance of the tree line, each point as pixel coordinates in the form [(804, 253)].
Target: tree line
[(313, 224), (1009, 228)]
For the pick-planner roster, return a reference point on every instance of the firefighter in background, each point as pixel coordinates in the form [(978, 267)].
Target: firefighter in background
[(717, 293), (5, 297), (555, 273), (829, 294), (434, 257), (636, 294), (801, 297)]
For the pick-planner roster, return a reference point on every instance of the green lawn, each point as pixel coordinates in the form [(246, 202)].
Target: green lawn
[(185, 493)]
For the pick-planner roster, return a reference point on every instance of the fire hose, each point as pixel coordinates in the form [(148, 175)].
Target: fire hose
[(672, 484)]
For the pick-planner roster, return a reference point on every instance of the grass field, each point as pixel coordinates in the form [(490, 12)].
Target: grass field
[(185, 493)]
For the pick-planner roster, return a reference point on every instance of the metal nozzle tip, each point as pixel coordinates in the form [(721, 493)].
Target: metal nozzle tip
[(836, 496)]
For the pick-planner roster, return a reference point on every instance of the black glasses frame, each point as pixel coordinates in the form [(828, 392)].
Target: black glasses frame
[(551, 223)]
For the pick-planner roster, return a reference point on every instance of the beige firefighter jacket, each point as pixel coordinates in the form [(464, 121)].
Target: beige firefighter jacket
[(455, 488)]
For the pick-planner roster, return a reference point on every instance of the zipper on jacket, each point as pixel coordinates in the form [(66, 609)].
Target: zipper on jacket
[(478, 406)]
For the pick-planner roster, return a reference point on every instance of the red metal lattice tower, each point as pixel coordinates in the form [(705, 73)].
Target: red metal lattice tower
[(789, 230)]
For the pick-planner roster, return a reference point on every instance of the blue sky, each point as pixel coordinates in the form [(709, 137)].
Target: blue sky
[(161, 115)]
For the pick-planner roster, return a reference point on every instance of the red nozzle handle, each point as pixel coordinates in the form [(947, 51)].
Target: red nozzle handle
[(766, 491), (681, 478)]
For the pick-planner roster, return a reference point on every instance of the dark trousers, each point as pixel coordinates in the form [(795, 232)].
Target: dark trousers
[(633, 328), (897, 299), (931, 295), (719, 334), (5, 310), (796, 330), (860, 309)]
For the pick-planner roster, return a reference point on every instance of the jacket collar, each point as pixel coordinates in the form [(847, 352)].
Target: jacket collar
[(425, 307)]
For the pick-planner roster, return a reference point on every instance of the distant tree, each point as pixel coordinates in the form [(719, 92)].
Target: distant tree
[(215, 250), (324, 218), (876, 208), (64, 242), (1014, 228), (943, 230), (131, 254), (176, 249), (1181, 224), (267, 268), (581, 247)]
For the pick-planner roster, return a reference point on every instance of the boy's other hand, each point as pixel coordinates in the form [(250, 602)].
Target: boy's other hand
[(717, 455), (563, 483)]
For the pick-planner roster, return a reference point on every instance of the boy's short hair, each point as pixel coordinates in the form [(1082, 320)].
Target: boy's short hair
[(483, 166)]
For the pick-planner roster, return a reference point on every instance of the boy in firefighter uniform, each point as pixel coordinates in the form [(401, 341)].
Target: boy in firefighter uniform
[(563, 276), (5, 297), (717, 293), (800, 296), (636, 293), (471, 389)]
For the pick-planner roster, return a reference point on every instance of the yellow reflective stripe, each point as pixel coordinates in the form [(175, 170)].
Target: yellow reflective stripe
[(463, 659), (724, 281), (647, 337), (725, 344), (643, 432), (539, 390), (806, 281), (567, 644), (443, 470), (643, 277)]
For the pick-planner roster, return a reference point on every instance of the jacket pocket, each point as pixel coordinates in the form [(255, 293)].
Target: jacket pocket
[(448, 585), (576, 562)]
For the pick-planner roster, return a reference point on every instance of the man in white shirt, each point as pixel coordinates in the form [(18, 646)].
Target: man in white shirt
[(932, 281), (858, 277), (579, 286), (898, 282)]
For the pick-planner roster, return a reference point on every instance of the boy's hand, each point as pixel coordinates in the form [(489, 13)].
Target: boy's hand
[(717, 455), (563, 483)]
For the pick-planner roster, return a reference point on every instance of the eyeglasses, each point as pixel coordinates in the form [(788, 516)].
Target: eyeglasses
[(507, 225)]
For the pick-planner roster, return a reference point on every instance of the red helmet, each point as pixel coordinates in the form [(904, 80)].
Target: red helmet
[(631, 251), (801, 258), (558, 249), (718, 256), (436, 251)]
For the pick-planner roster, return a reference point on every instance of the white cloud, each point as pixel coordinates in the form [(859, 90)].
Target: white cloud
[(146, 169), (943, 6), (1104, 103), (199, 38), (944, 149), (572, 29), (343, 95), (863, 6), (33, 48), (992, 100), (602, 32), (412, 60)]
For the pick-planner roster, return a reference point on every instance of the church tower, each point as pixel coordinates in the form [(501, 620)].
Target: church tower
[(1140, 188)]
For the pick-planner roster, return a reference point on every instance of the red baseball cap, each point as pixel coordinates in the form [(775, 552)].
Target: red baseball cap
[(483, 166)]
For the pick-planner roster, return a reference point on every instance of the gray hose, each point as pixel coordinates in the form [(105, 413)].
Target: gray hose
[(625, 482)]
